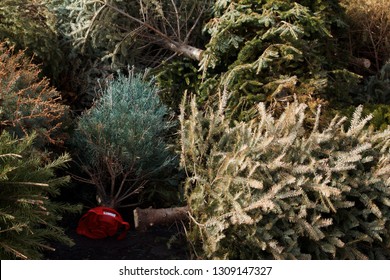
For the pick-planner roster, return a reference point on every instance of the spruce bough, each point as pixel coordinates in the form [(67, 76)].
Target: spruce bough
[(270, 188), (28, 213)]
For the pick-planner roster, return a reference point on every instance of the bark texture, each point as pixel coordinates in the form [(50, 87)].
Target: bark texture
[(146, 218)]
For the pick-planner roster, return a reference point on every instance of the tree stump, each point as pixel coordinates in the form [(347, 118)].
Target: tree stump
[(146, 218)]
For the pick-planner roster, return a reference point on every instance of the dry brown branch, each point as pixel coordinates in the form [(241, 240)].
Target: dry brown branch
[(27, 102)]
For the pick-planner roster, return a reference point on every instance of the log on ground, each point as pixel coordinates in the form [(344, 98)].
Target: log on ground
[(146, 218)]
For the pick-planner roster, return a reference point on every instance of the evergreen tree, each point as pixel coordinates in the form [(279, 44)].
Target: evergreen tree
[(270, 188), (375, 94), (28, 213), (27, 101), (29, 24), (377, 89), (129, 32), (102, 36), (260, 51), (269, 51), (122, 140)]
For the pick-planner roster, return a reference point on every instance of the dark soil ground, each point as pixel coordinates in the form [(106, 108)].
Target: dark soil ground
[(155, 244)]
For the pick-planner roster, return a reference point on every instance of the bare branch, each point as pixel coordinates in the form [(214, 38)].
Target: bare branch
[(161, 38), (91, 25)]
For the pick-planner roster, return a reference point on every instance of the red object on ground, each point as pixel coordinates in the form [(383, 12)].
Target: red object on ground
[(101, 222)]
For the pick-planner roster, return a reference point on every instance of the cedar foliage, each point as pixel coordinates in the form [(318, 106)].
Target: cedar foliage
[(27, 102), (270, 188), (28, 214), (121, 140)]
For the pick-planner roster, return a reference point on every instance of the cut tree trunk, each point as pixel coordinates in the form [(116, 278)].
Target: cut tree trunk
[(147, 218), (361, 62), (182, 49), (163, 39)]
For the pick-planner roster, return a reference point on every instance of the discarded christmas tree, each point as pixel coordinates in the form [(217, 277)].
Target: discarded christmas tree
[(31, 25), (27, 101), (122, 139), (28, 213), (272, 188)]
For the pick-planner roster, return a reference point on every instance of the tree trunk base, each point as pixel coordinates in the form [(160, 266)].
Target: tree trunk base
[(147, 218)]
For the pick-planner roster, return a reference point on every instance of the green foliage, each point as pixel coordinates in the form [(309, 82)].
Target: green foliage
[(79, 81), (270, 188), (122, 140), (378, 87), (176, 77), (380, 116), (27, 102), (124, 32), (375, 95), (28, 215), (102, 37), (30, 24), (269, 51)]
